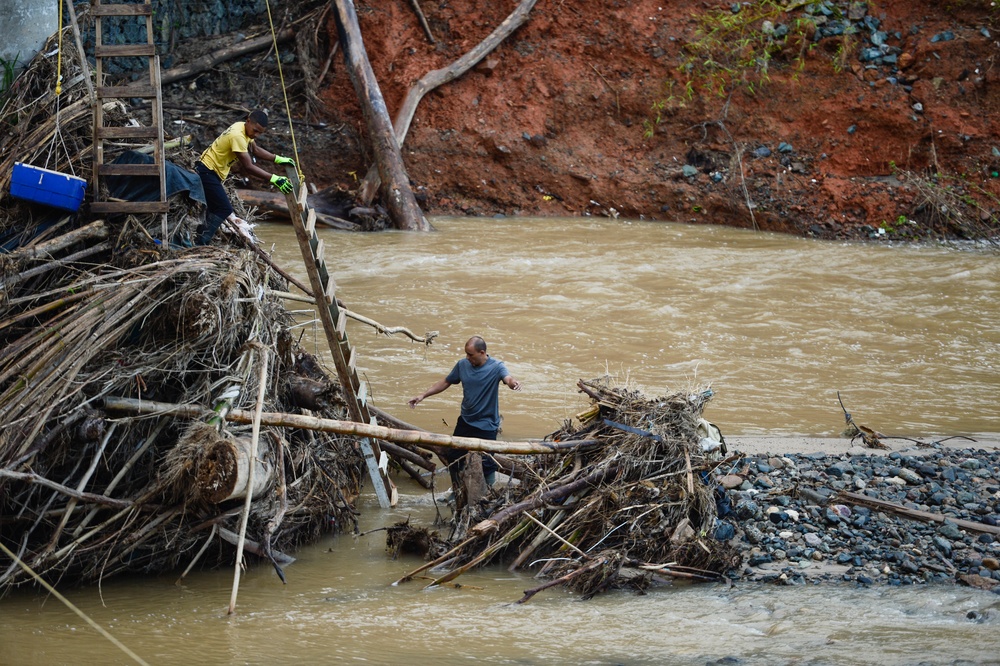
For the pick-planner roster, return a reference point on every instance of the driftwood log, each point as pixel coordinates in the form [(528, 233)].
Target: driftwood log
[(212, 59), (396, 193), (438, 77)]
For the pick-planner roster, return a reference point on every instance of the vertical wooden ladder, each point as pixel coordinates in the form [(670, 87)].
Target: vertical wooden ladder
[(149, 89), (335, 325)]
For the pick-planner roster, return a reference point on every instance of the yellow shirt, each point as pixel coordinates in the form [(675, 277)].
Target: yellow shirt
[(219, 157)]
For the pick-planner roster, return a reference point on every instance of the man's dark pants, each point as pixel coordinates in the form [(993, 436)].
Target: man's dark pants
[(217, 202), (456, 457)]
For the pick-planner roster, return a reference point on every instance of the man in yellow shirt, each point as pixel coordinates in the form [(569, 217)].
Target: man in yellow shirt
[(235, 144)]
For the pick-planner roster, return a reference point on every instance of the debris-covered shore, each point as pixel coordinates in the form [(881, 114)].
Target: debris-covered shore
[(800, 518)]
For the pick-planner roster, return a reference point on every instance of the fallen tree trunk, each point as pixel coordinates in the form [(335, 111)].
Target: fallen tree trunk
[(438, 77), (396, 192), (350, 428), (222, 55), (275, 203)]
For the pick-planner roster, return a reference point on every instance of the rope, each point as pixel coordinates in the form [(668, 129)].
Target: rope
[(57, 136), (101, 630), (284, 90), (59, 52)]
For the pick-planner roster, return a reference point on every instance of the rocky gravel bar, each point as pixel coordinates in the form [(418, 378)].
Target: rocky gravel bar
[(802, 518)]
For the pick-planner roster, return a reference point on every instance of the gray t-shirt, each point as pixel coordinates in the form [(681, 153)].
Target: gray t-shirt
[(480, 391)]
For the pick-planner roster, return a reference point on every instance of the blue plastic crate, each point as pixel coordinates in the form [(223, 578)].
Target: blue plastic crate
[(47, 187)]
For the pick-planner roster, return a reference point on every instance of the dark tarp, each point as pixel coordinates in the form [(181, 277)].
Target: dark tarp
[(147, 188)]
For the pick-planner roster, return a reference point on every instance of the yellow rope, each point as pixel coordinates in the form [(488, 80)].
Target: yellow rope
[(59, 53), (69, 604), (284, 91)]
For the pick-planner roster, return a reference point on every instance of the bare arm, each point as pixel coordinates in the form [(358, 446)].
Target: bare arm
[(438, 386), (261, 154), (251, 168), (512, 383)]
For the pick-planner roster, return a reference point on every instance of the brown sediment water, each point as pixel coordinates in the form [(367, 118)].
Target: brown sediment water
[(910, 336)]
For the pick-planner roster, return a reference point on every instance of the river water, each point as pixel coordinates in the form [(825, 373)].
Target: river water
[(910, 336)]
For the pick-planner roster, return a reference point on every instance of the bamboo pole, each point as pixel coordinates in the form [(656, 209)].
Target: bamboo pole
[(44, 251), (525, 447), (561, 580), (254, 439)]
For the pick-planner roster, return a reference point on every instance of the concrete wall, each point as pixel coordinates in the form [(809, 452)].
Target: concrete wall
[(24, 27)]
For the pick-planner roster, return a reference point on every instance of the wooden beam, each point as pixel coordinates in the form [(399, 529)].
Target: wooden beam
[(351, 428)]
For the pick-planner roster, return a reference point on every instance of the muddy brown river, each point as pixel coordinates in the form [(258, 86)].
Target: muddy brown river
[(910, 336)]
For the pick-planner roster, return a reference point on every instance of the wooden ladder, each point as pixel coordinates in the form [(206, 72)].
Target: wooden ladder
[(136, 13), (335, 324)]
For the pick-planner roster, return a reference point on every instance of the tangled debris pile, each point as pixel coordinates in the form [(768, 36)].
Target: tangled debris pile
[(630, 506), (645, 499), (90, 311)]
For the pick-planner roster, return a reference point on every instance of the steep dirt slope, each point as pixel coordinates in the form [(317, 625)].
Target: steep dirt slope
[(554, 122)]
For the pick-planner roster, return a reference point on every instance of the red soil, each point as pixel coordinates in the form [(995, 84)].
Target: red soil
[(552, 122)]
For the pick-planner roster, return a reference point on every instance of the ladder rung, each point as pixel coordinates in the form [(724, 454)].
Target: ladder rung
[(144, 132), (318, 252), (130, 207), (363, 398), (122, 10), (129, 170), (352, 362), (341, 321), (383, 460), (310, 221), (144, 91), (331, 288), (124, 50), (303, 198)]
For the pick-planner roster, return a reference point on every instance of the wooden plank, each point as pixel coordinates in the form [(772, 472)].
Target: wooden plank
[(124, 50), (111, 207), (352, 362), (363, 395), (302, 199), (122, 10), (144, 132), (310, 221), (341, 322), (142, 91), (129, 170), (320, 251), (159, 156)]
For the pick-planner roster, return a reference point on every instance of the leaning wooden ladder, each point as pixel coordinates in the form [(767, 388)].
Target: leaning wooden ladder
[(135, 13), (335, 324)]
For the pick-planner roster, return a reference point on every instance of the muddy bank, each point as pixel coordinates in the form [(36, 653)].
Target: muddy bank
[(855, 120)]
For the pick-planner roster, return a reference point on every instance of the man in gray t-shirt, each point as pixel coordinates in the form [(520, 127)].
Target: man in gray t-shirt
[(480, 377)]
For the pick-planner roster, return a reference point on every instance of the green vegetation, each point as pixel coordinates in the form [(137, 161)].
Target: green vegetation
[(7, 81), (734, 49), (955, 204)]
